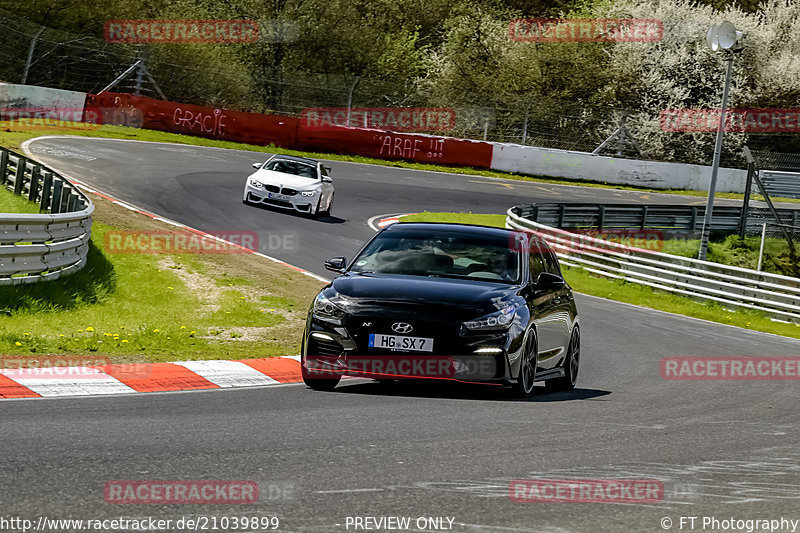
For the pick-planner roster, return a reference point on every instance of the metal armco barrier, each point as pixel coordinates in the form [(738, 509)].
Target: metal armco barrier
[(777, 296), (37, 247), (685, 218)]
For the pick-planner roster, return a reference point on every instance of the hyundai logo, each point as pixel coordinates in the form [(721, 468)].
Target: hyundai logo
[(402, 327)]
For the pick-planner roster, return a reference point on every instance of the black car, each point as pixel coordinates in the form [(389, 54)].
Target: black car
[(445, 301)]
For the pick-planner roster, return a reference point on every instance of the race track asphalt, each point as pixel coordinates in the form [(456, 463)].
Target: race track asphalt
[(721, 448)]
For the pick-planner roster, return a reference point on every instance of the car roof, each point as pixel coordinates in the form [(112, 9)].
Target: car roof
[(295, 158), (449, 226)]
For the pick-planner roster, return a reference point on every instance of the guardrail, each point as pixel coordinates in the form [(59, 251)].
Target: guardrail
[(687, 218), (37, 247), (781, 184), (777, 296)]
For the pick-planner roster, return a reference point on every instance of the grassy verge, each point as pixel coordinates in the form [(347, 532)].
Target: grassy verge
[(158, 307), (15, 204), (13, 138), (586, 283)]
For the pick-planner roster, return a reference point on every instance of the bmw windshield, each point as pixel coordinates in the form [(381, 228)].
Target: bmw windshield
[(441, 254)]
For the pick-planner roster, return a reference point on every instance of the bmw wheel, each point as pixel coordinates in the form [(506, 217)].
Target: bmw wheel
[(571, 366), (327, 211)]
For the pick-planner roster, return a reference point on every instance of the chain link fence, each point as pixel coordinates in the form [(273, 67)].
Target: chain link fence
[(33, 54)]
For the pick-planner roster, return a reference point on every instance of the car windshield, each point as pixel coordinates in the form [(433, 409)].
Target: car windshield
[(292, 167), (441, 254)]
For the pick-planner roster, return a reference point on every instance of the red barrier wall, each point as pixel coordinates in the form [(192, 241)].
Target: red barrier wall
[(188, 119), (286, 132), (392, 145)]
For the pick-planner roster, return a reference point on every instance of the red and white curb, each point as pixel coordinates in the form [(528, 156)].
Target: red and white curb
[(379, 222), (133, 378)]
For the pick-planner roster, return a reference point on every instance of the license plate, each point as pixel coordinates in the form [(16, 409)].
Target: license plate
[(398, 342), (276, 196)]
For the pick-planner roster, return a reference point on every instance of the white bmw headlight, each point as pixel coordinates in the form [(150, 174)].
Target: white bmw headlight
[(308, 193), (255, 183)]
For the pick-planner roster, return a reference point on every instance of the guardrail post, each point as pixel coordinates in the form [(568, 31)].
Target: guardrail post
[(601, 217), (746, 204), (55, 205), (535, 213), (34, 188), (694, 219), (66, 192), (20, 177), (644, 217), (3, 167), (47, 184), (72, 202), (561, 215)]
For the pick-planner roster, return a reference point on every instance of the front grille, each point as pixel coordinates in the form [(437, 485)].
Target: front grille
[(318, 346), (272, 188), (288, 192), (279, 203)]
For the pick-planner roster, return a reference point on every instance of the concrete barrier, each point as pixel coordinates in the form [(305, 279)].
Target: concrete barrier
[(39, 99), (585, 166)]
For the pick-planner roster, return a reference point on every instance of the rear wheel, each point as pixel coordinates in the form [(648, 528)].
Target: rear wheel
[(571, 366), (527, 367)]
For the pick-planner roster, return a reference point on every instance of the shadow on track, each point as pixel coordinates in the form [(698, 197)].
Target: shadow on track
[(324, 219), (459, 391)]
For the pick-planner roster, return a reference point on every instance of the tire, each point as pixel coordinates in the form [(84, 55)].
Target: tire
[(328, 211), (316, 214), (327, 384), (527, 368), (571, 366)]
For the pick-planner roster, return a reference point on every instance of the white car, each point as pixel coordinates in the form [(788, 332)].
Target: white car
[(289, 182)]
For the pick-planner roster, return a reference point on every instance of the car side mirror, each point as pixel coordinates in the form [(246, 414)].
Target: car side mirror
[(327, 179), (547, 282), (257, 165), (336, 264)]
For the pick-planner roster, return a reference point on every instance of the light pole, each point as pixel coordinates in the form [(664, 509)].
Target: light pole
[(727, 38)]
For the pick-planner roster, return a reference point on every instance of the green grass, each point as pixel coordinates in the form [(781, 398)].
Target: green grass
[(14, 138), (157, 307), (9, 203), (584, 282)]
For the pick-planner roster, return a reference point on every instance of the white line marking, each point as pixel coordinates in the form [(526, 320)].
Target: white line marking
[(343, 491), (228, 373)]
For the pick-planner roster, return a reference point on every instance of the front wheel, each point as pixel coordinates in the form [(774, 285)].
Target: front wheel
[(571, 365), (327, 383), (527, 368)]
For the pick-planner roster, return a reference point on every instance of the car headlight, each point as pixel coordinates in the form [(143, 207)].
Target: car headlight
[(498, 320), (329, 308), (255, 183), (308, 193)]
